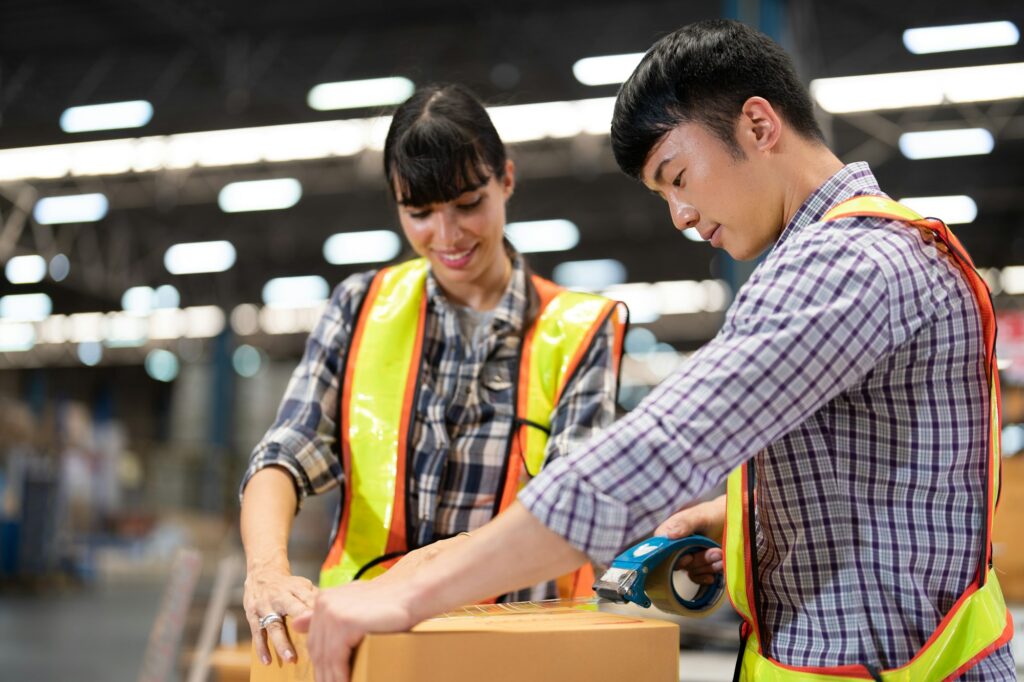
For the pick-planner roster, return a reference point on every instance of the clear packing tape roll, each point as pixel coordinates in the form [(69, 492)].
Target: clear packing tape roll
[(661, 589)]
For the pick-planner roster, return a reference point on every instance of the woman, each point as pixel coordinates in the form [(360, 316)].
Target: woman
[(430, 390)]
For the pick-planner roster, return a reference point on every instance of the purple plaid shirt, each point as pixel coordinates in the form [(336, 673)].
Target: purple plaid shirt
[(850, 368)]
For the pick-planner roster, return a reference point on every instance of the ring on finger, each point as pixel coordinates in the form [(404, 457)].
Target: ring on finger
[(270, 618)]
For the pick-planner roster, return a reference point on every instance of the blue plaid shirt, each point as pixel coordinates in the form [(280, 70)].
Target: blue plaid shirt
[(850, 367), (464, 411)]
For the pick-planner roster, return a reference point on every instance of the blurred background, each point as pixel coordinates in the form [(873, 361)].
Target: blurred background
[(182, 183)]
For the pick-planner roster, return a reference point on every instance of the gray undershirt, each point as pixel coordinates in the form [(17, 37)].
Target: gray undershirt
[(474, 324)]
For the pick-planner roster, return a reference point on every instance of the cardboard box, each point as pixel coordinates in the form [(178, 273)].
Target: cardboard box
[(552, 645), (1008, 542)]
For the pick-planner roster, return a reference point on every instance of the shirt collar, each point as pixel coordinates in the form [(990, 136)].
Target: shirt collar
[(511, 309), (851, 180)]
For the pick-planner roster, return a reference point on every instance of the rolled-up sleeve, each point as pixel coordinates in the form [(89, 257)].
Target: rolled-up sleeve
[(805, 327), (303, 438)]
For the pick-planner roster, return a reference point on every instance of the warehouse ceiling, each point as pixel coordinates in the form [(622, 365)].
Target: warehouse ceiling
[(233, 64)]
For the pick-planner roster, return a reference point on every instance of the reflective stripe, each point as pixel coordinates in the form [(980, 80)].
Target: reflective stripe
[(562, 335), (978, 623), (379, 387), (378, 382)]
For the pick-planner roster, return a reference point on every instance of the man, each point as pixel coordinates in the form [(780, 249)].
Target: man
[(851, 372)]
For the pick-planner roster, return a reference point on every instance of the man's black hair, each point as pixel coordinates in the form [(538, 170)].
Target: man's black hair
[(703, 73)]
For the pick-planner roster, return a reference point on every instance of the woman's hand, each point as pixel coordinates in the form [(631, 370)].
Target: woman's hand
[(275, 590), (707, 519)]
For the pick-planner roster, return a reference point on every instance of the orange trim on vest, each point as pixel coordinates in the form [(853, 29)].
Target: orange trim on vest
[(546, 292), (334, 554)]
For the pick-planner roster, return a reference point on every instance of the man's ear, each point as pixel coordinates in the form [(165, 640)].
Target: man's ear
[(760, 126)]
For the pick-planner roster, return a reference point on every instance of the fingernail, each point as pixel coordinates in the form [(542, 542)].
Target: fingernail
[(289, 656), (265, 659)]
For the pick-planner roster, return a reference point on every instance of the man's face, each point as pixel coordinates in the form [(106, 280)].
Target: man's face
[(729, 200)]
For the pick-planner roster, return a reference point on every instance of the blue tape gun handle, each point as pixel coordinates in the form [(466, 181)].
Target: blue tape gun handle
[(643, 575)]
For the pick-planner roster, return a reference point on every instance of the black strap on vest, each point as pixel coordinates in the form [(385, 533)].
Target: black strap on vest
[(376, 562)]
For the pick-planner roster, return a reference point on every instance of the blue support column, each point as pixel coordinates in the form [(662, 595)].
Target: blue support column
[(222, 388)]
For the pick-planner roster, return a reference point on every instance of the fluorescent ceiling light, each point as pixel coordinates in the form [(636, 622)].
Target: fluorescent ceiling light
[(641, 299), (166, 324), (138, 300), (25, 269), (606, 70), (291, 292), (1012, 279), (60, 267), (640, 340), (166, 296), (162, 365), (372, 92), (370, 246), (16, 337), (526, 122), (935, 144), (73, 208), (260, 195), (952, 210), (591, 275), (280, 143), (543, 235), (245, 319), (133, 114), (278, 320), (86, 327), (919, 88), (960, 37), (25, 307), (125, 331), (193, 257), (143, 300), (246, 361), (203, 321), (90, 353)]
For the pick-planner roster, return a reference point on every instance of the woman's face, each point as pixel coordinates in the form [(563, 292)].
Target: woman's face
[(463, 238)]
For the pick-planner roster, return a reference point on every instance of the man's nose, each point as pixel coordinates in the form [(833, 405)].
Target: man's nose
[(684, 215)]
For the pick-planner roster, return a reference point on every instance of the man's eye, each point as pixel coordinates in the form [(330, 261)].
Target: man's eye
[(419, 214), (678, 180)]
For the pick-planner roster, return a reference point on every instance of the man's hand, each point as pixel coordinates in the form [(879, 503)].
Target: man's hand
[(512, 551), (707, 519), (343, 615)]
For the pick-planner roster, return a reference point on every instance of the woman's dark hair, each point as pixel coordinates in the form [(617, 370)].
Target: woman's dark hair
[(441, 143), (703, 73)]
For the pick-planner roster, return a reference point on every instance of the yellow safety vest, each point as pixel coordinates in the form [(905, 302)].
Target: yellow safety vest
[(378, 402), (978, 623)]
